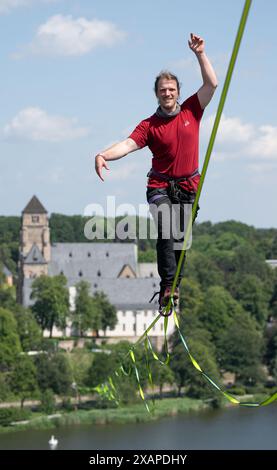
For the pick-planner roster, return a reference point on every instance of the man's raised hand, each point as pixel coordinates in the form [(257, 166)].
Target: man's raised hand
[(196, 44)]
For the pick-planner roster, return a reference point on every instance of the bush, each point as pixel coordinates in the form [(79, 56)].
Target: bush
[(9, 415), (236, 390), (48, 403)]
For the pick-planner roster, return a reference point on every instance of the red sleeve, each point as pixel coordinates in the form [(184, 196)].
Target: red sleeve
[(140, 133), (192, 103)]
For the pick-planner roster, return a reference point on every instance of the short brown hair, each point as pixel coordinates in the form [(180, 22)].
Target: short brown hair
[(168, 76)]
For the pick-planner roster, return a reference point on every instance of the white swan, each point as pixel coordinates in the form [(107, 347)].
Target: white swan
[(53, 442)]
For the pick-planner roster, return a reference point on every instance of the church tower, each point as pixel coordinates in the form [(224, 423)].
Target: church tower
[(35, 249)]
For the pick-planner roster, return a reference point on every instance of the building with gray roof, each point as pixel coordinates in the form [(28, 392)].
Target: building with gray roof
[(111, 268)]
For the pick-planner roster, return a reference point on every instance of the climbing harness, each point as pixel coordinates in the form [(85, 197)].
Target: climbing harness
[(174, 190)]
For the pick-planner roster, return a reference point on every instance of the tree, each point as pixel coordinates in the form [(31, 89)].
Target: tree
[(54, 372), (4, 386), (241, 345), (28, 329), (252, 294), (271, 347), (108, 311), (2, 276), (62, 378), (23, 378), (102, 366), (51, 302), (187, 376), (7, 297), (273, 300), (9, 340), (48, 403), (86, 316), (191, 297), (217, 311), (203, 270), (162, 375)]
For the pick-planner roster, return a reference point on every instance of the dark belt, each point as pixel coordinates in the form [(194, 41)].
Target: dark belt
[(168, 178), (174, 188)]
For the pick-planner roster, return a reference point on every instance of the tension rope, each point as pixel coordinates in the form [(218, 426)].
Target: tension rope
[(108, 389)]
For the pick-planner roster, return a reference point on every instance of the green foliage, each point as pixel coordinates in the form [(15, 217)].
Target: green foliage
[(86, 315), (108, 317), (4, 387), (9, 340), (273, 299), (9, 254), (28, 330), (48, 403), (7, 297), (274, 369), (253, 296), (10, 415), (9, 229), (102, 366), (240, 346), (271, 347), (54, 372), (66, 228), (187, 376), (148, 256), (217, 310), (80, 361), (51, 301), (162, 375), (203, 270), (23, 378), (92, 313)]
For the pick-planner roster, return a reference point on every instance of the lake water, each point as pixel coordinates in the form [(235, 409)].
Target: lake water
[(228, 429)]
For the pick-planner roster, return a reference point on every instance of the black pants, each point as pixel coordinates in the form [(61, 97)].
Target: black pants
[(168, 205)]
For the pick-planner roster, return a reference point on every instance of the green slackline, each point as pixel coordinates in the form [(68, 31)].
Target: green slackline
[(108, 389)]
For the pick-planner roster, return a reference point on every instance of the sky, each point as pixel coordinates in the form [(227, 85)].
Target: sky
[(78, 75)]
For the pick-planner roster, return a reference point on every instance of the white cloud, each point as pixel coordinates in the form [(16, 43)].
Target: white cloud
[(36, 125), (236, 139), (8, 5), (65, 36), (266, 143), (230, 129)]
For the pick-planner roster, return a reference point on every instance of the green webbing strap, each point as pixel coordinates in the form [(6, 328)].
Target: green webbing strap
[(132, 354)]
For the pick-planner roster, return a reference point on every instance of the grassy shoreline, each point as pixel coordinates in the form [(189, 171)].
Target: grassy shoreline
[(126, 414)]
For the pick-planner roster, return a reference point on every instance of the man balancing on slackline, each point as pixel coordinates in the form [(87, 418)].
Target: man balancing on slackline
[(172, 135)]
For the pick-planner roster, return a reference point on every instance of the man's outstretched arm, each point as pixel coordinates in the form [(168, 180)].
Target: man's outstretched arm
[(205, 93), (116, 151)]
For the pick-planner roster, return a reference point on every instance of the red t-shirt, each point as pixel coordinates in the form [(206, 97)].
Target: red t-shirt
[(173, 142)]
